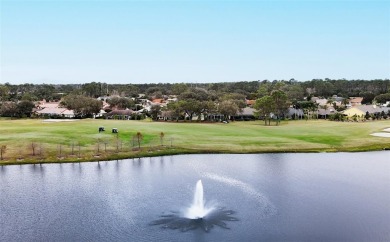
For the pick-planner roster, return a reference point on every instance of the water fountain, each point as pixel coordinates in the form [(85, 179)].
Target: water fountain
[(198, 215), (198, 210)]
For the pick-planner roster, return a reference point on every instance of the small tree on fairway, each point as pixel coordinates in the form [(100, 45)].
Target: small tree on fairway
[(117, 144), (139, 137), (79, 149), (2, 151), (40, 153), (34, 147), (59, 150), (162, 138), (98, 146), (72, 145), (105, 145)]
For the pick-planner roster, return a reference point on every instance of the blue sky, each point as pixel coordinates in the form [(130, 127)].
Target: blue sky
[(192, 41)]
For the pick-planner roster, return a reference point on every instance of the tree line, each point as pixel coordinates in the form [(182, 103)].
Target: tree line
[(200, 99), (316, 87)]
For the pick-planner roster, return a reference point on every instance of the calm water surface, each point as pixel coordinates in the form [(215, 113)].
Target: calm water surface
[(276, 197)]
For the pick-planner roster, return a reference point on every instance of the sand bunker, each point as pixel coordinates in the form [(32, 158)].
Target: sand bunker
[(385, 133), (382, 134)]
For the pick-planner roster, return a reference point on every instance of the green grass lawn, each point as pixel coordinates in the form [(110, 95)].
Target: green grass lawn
[(235, 137)]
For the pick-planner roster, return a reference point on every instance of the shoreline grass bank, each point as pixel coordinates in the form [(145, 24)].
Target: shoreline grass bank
[(33, 141)]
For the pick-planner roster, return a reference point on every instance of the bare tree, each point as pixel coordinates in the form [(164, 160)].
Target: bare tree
[(72, 147), (40, 153), (139, 137), (78, 144), (98, 147), (34, 147), (2, 151), (118, 145), (105, 145), (162, 138), (20, 156), (59, 150)]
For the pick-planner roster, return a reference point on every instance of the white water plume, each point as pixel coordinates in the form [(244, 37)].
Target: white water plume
[(266, 206), (198, 210)]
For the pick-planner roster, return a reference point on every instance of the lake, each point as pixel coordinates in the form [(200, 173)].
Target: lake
[(273, 197)]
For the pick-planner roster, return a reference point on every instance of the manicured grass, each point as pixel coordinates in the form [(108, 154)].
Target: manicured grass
[(235, 137)]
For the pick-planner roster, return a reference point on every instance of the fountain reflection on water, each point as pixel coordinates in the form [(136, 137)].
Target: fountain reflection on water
[(198, 215)]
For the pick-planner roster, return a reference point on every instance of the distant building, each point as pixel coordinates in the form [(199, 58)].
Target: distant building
[(165, 115), (387, 104), (43, 104), (52, 110), (293, 113), (120, 114), (171, 99), (361, 110), (250, 103), (324, 113), (158, 101), (355, 101), (321, 101), (55, 112), (247, 113), (337, 98)]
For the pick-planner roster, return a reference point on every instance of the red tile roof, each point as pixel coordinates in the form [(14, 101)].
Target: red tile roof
[(250, 102)]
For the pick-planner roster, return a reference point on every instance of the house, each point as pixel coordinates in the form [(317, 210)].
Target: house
[(100, 114), (355, 101), (43, 104), (336, 98), (172, 98), (361, 110), (103, 98), (68, 113), (337, 103), (120, 114), (250, 103), (215, 117), (321, 101), (165, 115), (144, 105), (387, 104), (293, 113), (106, 106), (55, 112), (246, 114), (324, 113), (158, 101), (52, 109)]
